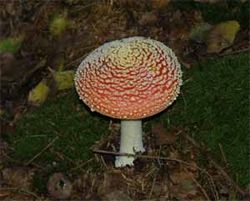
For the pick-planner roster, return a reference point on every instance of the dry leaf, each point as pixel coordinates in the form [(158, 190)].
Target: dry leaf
[(58, 25), (64, 79), (39, 94), (222, 36)]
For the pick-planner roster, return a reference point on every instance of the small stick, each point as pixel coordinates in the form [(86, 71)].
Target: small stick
[(213, 188), (83, 7), (152, 188), (201, 188), (144, 156), (104, 163), (43, 150), (81, 165), (153, 157), (234, 52), (75, 61), (223, 154)]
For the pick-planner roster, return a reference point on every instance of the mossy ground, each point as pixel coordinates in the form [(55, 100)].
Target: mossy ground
[(62, 122), (213, 107)]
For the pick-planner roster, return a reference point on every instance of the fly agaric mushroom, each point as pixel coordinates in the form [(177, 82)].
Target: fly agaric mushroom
[(129, 79)]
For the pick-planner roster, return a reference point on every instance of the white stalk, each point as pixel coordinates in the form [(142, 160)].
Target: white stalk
[(130, 143)]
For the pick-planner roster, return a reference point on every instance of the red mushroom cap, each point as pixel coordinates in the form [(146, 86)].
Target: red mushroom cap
[(130, 78)]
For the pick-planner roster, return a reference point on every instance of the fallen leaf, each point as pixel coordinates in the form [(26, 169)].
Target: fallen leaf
[(39, 93), (64, 79), (59, 186), (221, 36), (58, 25)]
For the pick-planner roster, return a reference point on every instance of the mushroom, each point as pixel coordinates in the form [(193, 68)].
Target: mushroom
[(129, 79)]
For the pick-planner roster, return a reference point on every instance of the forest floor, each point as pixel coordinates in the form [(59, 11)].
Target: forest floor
[(54, 147)]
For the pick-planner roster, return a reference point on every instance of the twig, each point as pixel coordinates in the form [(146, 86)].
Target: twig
[(159, 158), (83, 7), (39, 65), (223, 154), (213, 188), (216, 165), (28, 74), (104, 163), (144, 156), (152, 187), (76, 60), (43, 150), (81, 165), (234, 52), (80, 58), (201, 188)]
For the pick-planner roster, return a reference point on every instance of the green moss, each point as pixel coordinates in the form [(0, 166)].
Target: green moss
[(63, 120), (11, 45), (214, 107)]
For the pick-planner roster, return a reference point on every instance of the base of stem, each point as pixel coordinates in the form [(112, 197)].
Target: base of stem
[(130, 143)]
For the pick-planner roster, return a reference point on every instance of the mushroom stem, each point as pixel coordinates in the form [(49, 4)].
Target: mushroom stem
[(130, 143)]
